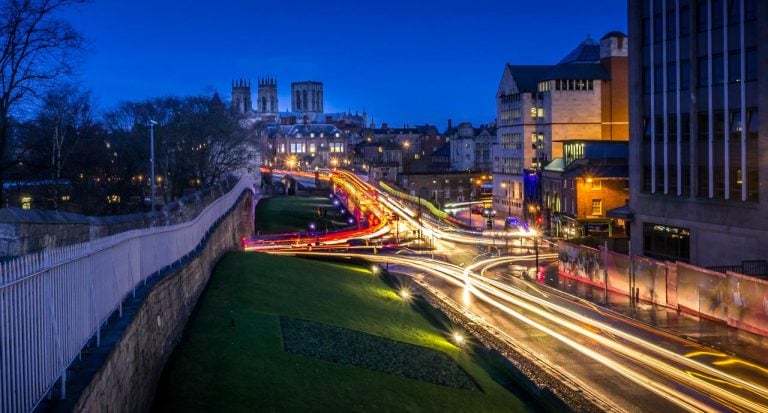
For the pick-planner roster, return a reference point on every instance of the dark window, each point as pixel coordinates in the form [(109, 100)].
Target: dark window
[(701, 16), (685, 153), (750, 9), (672, 76), (751, 62), (734, 67), (685, 74), (685, 24), (646, 80), (717, 13), (753, 162), (671, 29), (658, 81), (718, 70), (646, 31), (666, 243), (703, 71), (734, 11), (658, 27)]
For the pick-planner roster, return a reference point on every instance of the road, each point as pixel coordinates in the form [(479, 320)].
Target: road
[(626, 365)]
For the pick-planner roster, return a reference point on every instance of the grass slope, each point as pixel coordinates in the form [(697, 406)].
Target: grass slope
[(294, 213), (232, 357)]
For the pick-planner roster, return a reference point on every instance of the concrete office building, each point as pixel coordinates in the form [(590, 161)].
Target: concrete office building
[(699, 115)]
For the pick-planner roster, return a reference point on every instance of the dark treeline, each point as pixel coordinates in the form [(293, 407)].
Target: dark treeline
[(61, 155), (71, 160)]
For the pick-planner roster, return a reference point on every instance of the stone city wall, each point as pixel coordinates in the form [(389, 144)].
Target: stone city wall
[(26, 231), (126, 380)]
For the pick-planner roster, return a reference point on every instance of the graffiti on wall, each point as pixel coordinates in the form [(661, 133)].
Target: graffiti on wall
[(580, 262)]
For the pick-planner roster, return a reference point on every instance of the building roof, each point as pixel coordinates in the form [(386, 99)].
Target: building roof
[(604, 168), (412, 130), (622, 212), (614, 33), (577, 71), (557, 165), (587, 51), (527, 76), (444, 151)]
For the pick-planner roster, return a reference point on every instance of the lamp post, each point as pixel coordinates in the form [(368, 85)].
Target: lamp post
[(471, 191), (536, 247), (152, 124)]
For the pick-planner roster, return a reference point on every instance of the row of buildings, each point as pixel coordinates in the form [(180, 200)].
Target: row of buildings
[(683, 93), (656, 137)]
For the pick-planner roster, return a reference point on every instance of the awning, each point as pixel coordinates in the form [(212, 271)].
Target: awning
[(622, 212)]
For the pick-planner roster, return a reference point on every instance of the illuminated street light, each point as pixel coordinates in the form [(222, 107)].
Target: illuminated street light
[(458, 338), (405, 294), (375, 269)]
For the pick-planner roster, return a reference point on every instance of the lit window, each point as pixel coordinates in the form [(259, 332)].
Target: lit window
[(597, 207), (26, 202)]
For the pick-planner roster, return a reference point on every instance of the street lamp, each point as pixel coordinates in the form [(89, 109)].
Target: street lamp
[(152, 124), (471, 191), (536, 247)]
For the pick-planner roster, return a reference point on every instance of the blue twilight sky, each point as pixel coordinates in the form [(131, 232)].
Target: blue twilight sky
[(408, 61)]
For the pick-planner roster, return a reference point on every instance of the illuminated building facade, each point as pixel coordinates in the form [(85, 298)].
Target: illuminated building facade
[(538, 107)]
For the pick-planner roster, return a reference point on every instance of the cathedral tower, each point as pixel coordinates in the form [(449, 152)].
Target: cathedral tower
[(267, 96), (307, 97), (241, 97)]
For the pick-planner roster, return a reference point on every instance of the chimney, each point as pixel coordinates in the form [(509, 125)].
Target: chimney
[(450, 123)]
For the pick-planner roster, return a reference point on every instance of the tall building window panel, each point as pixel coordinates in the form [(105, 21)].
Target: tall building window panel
[(685, 74), (685, 20), (666, 242), (734, 11), (718, 160), (672, 153), (702, 158), (685, 153), (702, 15), (734, 66), (752, 156), (646, 155), (717, 14), (646, 80), (658, 27), (672, 76), (702, 71), (750, 9), (671, 24), (751, 64), (659, 149), (735, 174), (718, 70)]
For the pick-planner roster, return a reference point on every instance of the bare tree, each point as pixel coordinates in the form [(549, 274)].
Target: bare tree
[(68, 112), (37, 48)]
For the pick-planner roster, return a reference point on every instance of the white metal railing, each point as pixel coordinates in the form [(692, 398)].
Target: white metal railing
[(53, 302)]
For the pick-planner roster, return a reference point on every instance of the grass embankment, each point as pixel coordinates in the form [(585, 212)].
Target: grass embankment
[(235, 358), (294, 213)]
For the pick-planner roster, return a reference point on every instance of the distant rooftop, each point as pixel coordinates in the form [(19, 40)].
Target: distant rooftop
[(586, 52)]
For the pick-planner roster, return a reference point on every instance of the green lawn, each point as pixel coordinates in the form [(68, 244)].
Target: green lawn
[(232, 357), (294, 213)]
